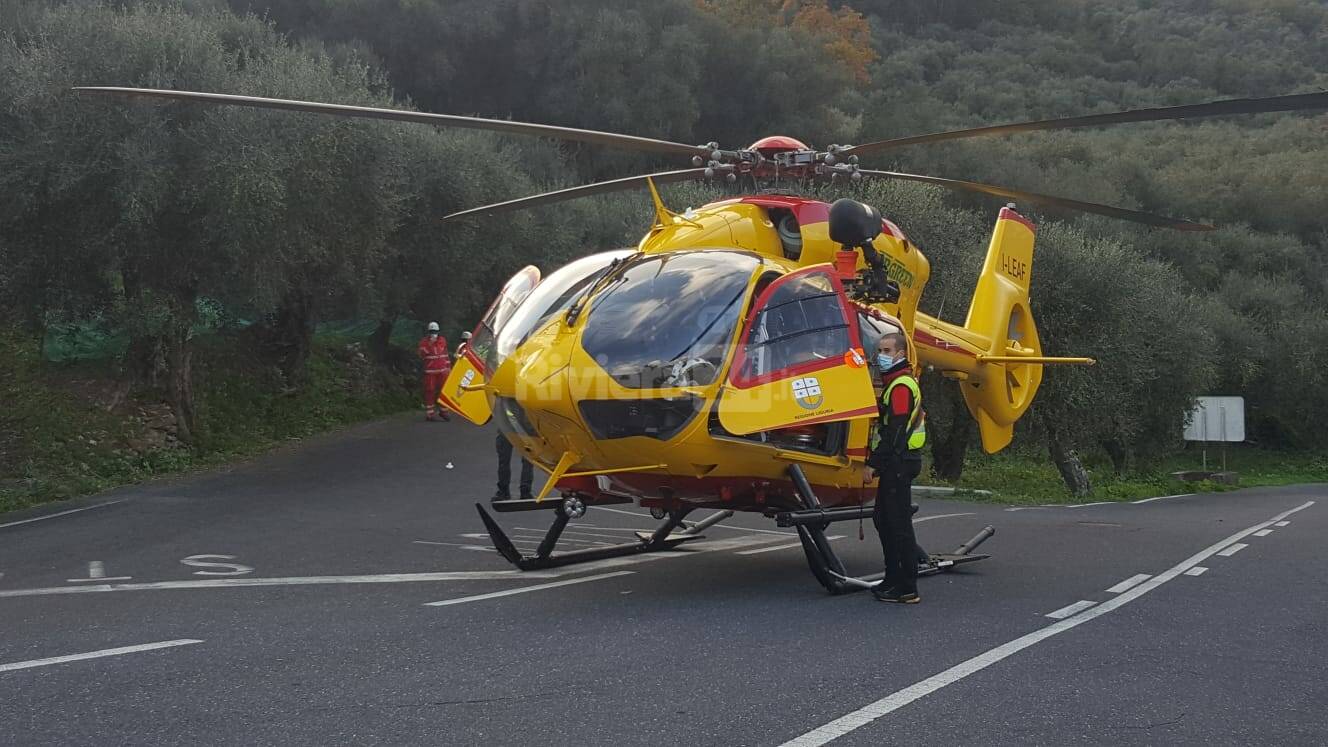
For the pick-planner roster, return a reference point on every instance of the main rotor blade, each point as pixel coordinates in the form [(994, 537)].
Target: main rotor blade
[(1039, 199), (631, 142), (1294, 102), (663, 177)]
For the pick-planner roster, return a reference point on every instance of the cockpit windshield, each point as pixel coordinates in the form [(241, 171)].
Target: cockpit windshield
[(552, 296), (666, 321)]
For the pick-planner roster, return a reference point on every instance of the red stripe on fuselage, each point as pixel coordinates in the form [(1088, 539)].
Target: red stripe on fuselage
[(931, 341)]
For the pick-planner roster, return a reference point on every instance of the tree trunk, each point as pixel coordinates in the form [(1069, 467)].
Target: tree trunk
[(949, 427), (949, 448), (1120, 456), (380, 339), (179, 356), (288, 339), (144, 360), (1068, 464)]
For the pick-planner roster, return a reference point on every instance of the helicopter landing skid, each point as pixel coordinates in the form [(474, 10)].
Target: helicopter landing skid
[(530, 504), (826, 565), (661, 539)]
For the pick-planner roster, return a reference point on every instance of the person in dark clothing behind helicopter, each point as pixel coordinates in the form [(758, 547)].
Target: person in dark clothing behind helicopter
[(896, 457)]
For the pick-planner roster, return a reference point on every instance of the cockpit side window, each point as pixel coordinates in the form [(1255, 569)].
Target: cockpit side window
[(801, 323), (873, 328), (548, 298)]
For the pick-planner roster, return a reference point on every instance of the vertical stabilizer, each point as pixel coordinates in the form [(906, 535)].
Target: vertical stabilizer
[(999, 314)]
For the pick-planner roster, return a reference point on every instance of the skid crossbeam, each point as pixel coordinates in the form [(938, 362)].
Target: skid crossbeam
[(662, 538)]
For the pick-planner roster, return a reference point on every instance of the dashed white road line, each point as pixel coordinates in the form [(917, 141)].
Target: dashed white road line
[(1263, 533), (1085, 505), (1129, 583), (1162, 498), (1070, 610), (62, 513), (1198, 570), (1233, 550), (96, 654), (893, 702), (526, 589), (1282, 523)]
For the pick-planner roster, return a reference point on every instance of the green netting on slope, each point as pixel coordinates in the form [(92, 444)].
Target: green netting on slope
[(88, 341)]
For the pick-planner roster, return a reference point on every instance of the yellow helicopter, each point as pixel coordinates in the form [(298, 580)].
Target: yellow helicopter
[(721, 363)]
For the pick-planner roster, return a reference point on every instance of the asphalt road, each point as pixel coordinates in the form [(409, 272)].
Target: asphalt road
[(287, 601)]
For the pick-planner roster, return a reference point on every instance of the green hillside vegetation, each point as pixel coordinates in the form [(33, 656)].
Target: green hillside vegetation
[(162, 226)]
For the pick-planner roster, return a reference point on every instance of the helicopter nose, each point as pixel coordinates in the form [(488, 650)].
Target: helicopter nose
[(535, 400)]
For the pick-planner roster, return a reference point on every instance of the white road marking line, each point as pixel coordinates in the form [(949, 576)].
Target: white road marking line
[(62, 513), (688, 550), (1198, 570), (760, 550), (918, 520), (456, 544), (97, 572), (581, 533), (921, 519), (1263, 533), (96, 654), (717, 526), (1069, 610), (1129, 583), (615, 529), (1233, 550), (394, 578), (1282, 523), (1162, 498), (893, 702), (524, 589), (1084, 505), (224, 583), (538, 539)]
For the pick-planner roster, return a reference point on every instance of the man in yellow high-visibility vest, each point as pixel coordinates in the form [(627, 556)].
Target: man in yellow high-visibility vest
[(896, 457)]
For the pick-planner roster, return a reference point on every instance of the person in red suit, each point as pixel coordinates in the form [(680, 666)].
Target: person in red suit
[(433, 352)]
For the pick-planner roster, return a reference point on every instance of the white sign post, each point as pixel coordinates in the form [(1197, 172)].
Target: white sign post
[(1216, 419)]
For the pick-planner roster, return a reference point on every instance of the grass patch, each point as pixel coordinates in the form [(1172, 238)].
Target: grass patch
[(1029, 478), (67, 430)]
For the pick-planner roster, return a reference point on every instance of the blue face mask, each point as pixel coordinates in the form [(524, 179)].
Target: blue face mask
[(884, 361)]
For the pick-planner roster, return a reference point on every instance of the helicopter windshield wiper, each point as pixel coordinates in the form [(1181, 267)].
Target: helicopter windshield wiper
[(574, 312)]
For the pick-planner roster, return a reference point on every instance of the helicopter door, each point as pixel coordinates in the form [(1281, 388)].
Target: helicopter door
[(463, 392), (799, 360)]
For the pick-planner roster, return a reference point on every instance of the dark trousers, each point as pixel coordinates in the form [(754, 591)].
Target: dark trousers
[(893, 517), (505, 469)]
